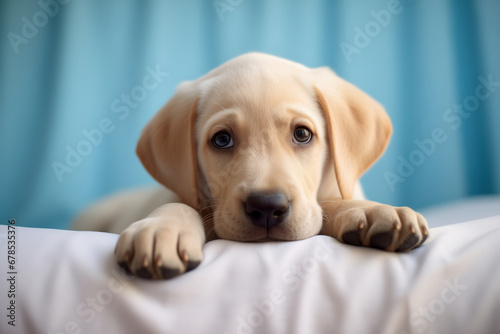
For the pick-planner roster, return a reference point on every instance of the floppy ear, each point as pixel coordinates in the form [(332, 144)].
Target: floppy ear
[(167, 145), (358, 127)]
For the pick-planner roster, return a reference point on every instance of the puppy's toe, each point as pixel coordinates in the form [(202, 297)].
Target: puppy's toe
[(414, 230), (384, 226), (410, 242), (167, 261), (382, 240), (142, 262), (353, 222), (124, 250), (167, 273), (352, 238), (190, 250), (144, 273), (424, 228)]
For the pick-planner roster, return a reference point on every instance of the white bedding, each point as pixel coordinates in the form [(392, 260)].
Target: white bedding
[(67, 282)]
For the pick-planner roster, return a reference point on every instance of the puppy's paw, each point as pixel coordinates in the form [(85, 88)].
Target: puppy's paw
[(162, 246), (382, 226)]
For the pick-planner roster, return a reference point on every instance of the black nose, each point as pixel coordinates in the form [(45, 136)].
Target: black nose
[(267, 210)]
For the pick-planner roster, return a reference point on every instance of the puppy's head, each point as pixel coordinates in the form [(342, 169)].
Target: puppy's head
[(261, 142)]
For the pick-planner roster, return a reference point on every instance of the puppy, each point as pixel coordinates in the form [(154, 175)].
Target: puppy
[(260, 148)]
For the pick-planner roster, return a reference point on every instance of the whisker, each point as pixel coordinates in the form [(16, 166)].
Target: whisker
[(212, 200), (209, 217), (333, 201), (209, 229), (211, 207), (212, 229), (209, 203)]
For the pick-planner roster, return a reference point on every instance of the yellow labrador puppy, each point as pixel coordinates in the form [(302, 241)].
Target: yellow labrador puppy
[(260, 148)]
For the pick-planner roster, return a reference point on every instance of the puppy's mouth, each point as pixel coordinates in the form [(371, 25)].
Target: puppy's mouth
[(249, 232), (273, 233)]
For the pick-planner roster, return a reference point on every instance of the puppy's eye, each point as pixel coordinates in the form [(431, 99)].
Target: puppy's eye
[(222, 139), (302, 135)]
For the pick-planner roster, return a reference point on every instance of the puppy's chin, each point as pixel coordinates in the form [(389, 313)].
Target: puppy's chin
[(256, 235), (272, 235), (285, 234), (266, 239), (261, 234)]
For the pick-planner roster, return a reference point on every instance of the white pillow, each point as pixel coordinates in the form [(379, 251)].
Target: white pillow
[(68, 282)]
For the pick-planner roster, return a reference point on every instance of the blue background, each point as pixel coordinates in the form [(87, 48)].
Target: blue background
[(64, 78)]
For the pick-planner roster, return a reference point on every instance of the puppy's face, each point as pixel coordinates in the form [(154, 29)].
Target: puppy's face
[(261, 149), (262, 141)]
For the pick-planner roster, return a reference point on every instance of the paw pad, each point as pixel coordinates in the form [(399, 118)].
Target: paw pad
[(382, 240), (169, 272), (352, 238), (408, 244), (144, 273)]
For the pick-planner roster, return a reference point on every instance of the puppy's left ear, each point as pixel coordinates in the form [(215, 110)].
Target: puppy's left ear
[(358, 127), (167, 145)]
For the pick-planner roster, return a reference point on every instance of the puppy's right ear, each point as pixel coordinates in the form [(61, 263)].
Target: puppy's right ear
[(167, 145)]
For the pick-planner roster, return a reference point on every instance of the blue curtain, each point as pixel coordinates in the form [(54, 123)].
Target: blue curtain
[(79, 79)]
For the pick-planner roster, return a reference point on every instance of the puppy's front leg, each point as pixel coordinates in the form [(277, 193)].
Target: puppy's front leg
[(165, 244), (366, 223)]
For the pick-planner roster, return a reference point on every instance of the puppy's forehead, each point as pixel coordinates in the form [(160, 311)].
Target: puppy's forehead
[(259, 93)]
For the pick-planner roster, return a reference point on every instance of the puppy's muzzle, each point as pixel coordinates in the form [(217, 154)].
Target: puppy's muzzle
[(267, 210)]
